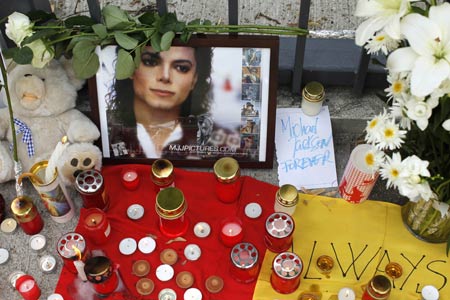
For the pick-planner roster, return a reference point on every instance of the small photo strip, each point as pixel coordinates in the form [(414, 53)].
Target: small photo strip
[(250, 109), (251, 74), (251, 57), (251, 92), (249, 125)]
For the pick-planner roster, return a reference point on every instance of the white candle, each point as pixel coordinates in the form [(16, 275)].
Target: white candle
[(79, 265), (346, 294), (38, 242), (8, 225), (164, 272), (4, 256), (192, 252), (55, 297), (202, 229), (192, 294), (429, 292)]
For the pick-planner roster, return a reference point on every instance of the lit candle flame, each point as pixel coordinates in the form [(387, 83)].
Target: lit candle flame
[(77, 252), (94, 221)]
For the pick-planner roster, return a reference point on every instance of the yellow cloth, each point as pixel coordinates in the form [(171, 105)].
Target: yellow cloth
[(374, 232)]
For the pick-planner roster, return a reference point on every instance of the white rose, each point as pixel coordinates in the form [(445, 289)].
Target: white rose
[(41, 53), (446, 125), (18, 27)]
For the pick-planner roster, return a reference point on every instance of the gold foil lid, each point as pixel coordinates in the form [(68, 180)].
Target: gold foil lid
[(162, 172), (313, 92), (381, 284), (226, 169), (170, 203), (38, 169), (287, 195), (22, 206)]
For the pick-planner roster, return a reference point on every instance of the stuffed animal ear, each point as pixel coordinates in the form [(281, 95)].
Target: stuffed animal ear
[(67, 65)]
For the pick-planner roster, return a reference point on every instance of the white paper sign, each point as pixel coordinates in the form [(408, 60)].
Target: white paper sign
[(305, 151)]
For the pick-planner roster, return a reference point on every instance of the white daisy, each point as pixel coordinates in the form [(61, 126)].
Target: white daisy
[(391, 136), (381, 42), (373, 159), (398, 111), (391, 169), (373, 127), (399, 85)]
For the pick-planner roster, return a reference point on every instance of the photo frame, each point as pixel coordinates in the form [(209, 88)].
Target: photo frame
[(237, 120)]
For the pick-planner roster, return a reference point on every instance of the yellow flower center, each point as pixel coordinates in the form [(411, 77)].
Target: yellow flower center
[(373, 123), (370, 159), (380, 38), (388, 133), (394, 173), (397, 87)]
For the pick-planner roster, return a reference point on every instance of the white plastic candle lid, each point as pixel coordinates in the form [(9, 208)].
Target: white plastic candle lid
[(192, 252), (127, 246), (253, 210), (147, 245), (164, 272), (8, 225), (202, 229), (135, 211), (193, 294), (47, 263), (346, 294), (4, 256), (55, 297), (429, 292), (14, 276)]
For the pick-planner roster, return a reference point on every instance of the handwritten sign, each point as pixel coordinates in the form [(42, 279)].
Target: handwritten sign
[(305, 151)]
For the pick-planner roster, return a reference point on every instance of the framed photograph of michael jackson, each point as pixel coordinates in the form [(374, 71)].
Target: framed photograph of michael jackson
[(192, 104)]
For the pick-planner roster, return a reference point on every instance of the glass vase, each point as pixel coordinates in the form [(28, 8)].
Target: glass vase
[(427, 220)]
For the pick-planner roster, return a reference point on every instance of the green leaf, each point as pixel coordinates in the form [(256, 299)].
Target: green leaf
[(124, 65), (84, 49), (186, 36), (40, 16), (148, 33), (10, 52), (125, 41), (147, 18), (23, 56), (115, 18), (166, 40), (155, 41), (75, 40), (180, 26), (100, 30), (78, 21), (85, 67), (195, 22), (137, 56), (167, 23)]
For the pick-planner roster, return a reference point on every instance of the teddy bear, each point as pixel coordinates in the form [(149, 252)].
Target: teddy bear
[(43, 103)]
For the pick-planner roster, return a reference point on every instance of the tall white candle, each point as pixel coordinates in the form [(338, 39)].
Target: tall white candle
[(79, 265), (346, 294)]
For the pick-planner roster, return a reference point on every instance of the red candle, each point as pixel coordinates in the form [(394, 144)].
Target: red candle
[(130, 179), (27, 215), (97, 226), (231, 232), (72, 247), (244, 263), (279, 232), (101, 273), (228, 182), (171, 207), (286, 270), (27, 288), (91, 187)]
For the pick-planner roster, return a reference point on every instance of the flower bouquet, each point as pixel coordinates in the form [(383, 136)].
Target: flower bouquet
[(411, 141)]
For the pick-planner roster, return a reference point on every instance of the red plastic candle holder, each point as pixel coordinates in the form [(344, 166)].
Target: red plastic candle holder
[(162, 174), (228, 180), (72, 247), (279, 232), (244, 263), (28, 288), (286, 270), (91, 187), (101, 273), (231, 232), (130, 179), (27, 215), (171, 206), (96, 226)]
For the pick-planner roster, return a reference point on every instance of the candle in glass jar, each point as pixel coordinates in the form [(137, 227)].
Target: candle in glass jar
[(231, 233), (130, 179), (27, 288), (97, 226), (27, 215), (346, 294), (279, 232)]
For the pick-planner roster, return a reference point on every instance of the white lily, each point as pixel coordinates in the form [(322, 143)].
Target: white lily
[(381, 14), (428, 57), (446, 124), (420, 111)]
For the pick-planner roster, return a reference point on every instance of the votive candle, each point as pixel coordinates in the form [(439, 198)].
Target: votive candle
[(97, 226), (130, 179), (346, 293), (231, 233), (28, 288)]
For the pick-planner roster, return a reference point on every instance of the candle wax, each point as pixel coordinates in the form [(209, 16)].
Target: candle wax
[(346, 294), (37, 242), (231, 229), (26, 286), (94, 219), (129, 176)]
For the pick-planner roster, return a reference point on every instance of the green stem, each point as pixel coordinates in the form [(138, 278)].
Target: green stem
[(425, 226), (11, 115), (433, 2), (441, 186)]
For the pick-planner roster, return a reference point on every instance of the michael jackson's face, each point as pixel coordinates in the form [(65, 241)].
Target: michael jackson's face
[(164, 80)]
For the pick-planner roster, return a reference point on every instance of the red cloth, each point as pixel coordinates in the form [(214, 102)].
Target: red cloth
[(203, 205)]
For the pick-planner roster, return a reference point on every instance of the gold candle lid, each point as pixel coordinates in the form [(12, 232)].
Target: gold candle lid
[(22, 206), (380, 284), (170, 203), (287, 195), (39, 169), (162, 172), (98, 269), (227, 169), (313, 91)]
